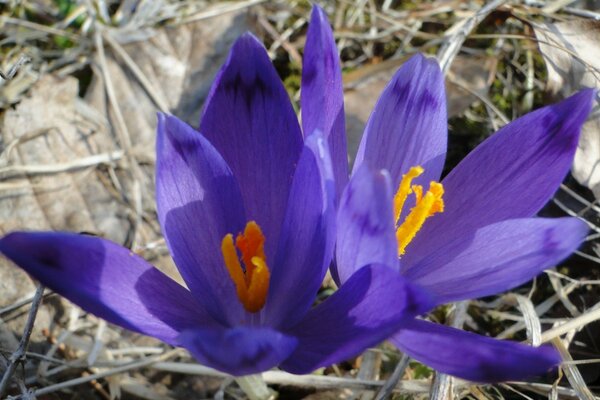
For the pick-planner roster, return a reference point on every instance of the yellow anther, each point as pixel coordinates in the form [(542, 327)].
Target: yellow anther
[(234, 267), (404, 190), (418, 191), (252, 284), (426, 205), (259, 285)]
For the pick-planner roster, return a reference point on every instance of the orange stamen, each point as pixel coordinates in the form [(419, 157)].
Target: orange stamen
[(252, 284)]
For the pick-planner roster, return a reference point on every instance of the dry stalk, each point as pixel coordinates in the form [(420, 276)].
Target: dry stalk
[(18, 355)]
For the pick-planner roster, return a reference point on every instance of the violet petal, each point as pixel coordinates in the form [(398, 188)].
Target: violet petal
[(198, 202), (365, 224), (368, 308), (108, 281), (250, 120), (470, 356), (307, 237), (322, 94)]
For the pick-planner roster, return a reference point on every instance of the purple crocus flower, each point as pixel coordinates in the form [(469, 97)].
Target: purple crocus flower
[(471, 235), (246, 207)]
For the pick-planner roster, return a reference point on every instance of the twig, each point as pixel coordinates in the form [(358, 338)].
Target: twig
[(85, 162), (23, 59), (104, 374), (556, 5), (121, 126), (219, 11), (541, 309), (313, 381), (452, 45), (533, 327), (544, 388), (278, 38), (572, 373), (121, 131), (39, 27), (483, 98), (568, 10), (158, 99), (388, 387), (19, 303), (575, 323), (19, 354)]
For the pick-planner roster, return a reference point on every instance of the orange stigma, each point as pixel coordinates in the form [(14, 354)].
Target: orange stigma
[(251, 283), (426, 205)]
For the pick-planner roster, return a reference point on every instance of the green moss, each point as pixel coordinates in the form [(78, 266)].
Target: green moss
[(293, 79), (66, 7), (63, 42), (420, 371)]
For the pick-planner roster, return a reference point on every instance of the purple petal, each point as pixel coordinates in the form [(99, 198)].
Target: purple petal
[(322, 94), (198, 203), (408, 125), (497, 258), (368, 308), (510, 175), (238, 351), (365, 224), (307, 237), (249, 119), (470, 356), (107, 280)]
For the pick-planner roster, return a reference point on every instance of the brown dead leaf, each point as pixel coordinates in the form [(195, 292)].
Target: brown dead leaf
[(571, 51), (62, 164), (76, 201)]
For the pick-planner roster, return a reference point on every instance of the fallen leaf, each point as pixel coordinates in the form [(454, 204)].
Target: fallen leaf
[(571, 51), (63, 166)]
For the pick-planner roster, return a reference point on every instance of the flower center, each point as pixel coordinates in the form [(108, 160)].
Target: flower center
[(426, 206), (251, 282)]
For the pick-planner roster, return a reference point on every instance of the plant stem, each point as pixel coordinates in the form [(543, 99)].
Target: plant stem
[(255, 387)]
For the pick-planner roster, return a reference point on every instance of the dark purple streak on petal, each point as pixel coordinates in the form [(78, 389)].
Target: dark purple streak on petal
[(512, 174), (107, 280), (249, 119), (238, 351), (408, 126), (473, 357)]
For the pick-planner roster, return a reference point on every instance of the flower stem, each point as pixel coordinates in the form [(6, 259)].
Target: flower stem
[(255, 387)]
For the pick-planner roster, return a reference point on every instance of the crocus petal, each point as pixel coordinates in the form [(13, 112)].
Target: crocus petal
[(470, 356), (322, 94), (408, 125), (368, 308), (307, 237), (510, 175), (107, 280), (198, 203), (238, 351), (365, 224), (498, 257), (250, 120)]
